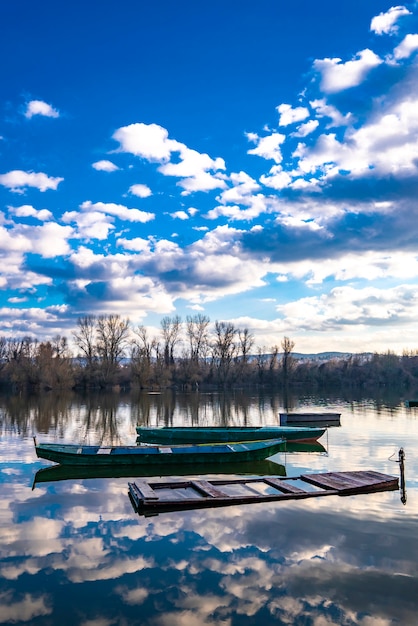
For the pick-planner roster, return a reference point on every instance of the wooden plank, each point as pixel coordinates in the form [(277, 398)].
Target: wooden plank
[(331, 480), (284, 486), (145, 490), (346, 480), (208, 489)]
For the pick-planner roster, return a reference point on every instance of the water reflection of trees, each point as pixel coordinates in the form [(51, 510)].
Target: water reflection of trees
[(111, 418)]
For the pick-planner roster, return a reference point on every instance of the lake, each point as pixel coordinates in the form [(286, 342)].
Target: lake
[(76, 552)]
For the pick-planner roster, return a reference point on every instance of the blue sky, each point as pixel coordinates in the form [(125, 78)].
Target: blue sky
[(256, 162)]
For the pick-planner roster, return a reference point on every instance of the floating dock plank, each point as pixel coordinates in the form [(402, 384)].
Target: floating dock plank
[(324, 419), (154, 497)]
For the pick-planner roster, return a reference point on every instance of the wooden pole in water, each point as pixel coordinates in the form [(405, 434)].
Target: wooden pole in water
[(402, 472)]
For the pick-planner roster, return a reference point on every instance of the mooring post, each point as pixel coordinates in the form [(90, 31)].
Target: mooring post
[(402, 472)]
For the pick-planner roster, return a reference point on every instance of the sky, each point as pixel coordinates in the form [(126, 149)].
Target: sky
[(254, 162)]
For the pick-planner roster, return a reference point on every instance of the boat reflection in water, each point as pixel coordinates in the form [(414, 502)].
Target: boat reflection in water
[(265, 467)]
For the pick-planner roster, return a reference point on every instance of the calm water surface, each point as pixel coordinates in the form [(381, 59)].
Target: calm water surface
[(75, 552)]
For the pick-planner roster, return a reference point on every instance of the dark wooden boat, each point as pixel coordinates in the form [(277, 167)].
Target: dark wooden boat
[(155, 497), (73, 454), (320, 419), (213, 434), (411, 403)]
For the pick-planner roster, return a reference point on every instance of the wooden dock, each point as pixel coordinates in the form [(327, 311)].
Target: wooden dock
[(154, 497)]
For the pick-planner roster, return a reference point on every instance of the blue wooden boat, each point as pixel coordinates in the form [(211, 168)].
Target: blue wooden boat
[(73, 454), (217, 434)]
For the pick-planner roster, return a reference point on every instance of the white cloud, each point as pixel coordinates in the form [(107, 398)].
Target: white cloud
[(91, 225), (191, 164), (28, 608), (149, 141), (180, 215), (407, 46), (140, 190), (38, 107), (385, 23), (105, 166), (195, 168), (323, 109), (49, 240), (119, 210), (277, 178), (337, 76), (344, 306), (234, 213), (202, 181), (306, 129), (267, 147), (291, 116), (135, 245), (17, 180), (244, 186), (26, 210)]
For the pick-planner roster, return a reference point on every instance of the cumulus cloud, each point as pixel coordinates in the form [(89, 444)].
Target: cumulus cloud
[(180, 215), (267, 147), (26, 210), (38, 107), (148, 141), (407, 46), (306, 129), (89, 225), (18, 180), (386, 23), (337, 76), (118, 210), (199, 172), (288, 115), (105, 166), (140, 190), (277, 178)]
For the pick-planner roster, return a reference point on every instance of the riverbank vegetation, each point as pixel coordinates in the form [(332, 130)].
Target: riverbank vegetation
[(107, 352)]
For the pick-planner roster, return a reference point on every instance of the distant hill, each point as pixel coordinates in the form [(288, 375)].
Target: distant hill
[(322, 356)]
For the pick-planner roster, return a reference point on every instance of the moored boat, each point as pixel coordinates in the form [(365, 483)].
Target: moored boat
[(217, 434), (321, 419), (74, 454), (411, 403)]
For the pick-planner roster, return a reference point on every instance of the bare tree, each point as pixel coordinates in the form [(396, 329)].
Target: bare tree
[(143, 350), (246, 342), (287, 359), (85, 338), (112, 336), (197, 335), (224, 349), (171, 327)]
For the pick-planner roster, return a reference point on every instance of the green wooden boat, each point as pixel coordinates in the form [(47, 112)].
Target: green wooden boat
[(217, 434), (73, 454)]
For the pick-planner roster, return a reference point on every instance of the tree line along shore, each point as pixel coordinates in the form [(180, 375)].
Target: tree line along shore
[(107, 352)]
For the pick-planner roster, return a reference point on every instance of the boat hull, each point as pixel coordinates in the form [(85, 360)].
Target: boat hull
[(210, 434), (69, 454)]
